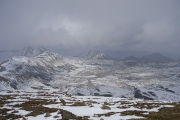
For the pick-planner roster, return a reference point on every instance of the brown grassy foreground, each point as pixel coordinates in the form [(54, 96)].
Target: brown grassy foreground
[(37, 106)]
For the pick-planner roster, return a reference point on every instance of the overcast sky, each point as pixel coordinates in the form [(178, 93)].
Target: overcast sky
[(78, 25)]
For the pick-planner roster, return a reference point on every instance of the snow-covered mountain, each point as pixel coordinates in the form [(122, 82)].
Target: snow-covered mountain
[(95, 55), (33, 64), (49, 71), (31, 52)]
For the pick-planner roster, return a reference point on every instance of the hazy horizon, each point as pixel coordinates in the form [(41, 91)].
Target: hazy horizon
[(117, 54), (72, 27)]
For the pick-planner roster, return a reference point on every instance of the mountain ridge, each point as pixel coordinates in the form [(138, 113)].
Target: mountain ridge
[(30, 51), (156, 57), (153, 58), (95, 55)]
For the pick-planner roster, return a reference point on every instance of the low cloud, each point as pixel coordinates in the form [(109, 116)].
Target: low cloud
[(80, 25)]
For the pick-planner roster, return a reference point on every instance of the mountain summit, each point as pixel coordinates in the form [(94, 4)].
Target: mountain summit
[(95, 55), (31, 52)]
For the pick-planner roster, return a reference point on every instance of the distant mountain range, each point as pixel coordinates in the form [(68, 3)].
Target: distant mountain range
[(95, 55), (138, 54), (30, 52), (93, 73), (122, 54), (154, 57)]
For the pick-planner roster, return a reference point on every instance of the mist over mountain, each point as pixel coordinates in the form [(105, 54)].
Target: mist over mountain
[(131, 58), (4, 55), (153, 58), (103, 25), (138, 54), (30, 51), (156, 57), (121, 35), (125, 50), (95, 55), (122, 54)]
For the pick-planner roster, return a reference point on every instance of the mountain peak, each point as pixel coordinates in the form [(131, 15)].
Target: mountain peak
[(95, 55), (156, 57), (31, 52)]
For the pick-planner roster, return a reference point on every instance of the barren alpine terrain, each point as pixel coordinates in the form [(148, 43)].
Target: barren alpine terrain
[(40, 84), (50, 106)]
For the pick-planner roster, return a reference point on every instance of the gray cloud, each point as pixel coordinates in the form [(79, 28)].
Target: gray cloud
[(80, 25)]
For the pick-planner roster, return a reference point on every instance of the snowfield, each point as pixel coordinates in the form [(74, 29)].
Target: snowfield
[(51, 106)]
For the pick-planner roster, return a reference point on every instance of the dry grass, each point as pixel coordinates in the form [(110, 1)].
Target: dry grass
[(165, 113), (105, 107), (106, 114), (4, 111), (123, 107), (132, 112), (36, 107), (6, 116), (79, 104)]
